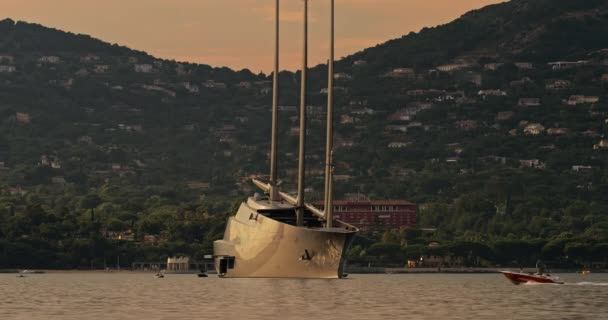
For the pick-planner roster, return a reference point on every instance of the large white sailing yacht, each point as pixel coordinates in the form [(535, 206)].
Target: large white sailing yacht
[(279, 235)]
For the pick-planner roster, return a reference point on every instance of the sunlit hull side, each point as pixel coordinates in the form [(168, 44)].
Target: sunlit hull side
[(263, 247)]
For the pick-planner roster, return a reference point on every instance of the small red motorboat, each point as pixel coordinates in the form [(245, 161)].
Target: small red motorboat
[(520, 277)]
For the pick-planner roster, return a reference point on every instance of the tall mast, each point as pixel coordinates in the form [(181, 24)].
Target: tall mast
[(301, 165), (328, 203), (273, 191)]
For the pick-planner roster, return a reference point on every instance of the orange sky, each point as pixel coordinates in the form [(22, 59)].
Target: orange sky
[(237, 33)]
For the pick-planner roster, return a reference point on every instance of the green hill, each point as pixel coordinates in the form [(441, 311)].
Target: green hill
[(500, 146), (534, 30)]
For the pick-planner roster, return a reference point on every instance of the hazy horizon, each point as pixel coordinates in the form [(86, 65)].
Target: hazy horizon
[(238, 34)]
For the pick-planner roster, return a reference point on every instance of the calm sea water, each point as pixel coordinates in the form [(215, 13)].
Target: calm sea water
[(141, 296)]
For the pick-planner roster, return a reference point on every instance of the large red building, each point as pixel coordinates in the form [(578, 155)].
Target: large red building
[(366, 214)]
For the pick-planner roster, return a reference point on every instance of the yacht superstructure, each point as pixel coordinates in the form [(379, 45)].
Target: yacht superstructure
[(279, 235)]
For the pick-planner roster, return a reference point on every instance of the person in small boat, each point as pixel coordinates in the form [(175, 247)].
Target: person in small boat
[(540, 268)]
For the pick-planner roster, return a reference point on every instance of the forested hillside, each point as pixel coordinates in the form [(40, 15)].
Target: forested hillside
[(494, 124)]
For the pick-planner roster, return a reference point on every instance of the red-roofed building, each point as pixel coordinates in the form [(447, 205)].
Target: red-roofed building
[(365, 214)]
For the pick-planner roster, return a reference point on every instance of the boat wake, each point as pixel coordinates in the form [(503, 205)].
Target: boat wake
[(533, 283), (588, 284)]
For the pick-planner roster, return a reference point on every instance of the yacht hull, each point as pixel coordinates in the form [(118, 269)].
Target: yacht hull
[(256, 246)]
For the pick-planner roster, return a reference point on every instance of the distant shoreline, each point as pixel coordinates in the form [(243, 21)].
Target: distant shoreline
[(350, 270)]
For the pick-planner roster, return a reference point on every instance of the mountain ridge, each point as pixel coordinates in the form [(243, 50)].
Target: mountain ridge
[(488, 24), (501, 149)]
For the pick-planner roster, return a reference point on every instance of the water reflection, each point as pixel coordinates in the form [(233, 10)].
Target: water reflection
[(142, 296)]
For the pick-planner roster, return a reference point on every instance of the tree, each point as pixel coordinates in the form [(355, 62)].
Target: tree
[(90, 201)]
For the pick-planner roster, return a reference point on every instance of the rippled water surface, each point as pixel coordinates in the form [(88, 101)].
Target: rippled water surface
[(141, 296)]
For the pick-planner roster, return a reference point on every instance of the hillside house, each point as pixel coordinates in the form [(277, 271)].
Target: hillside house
[(414, 108), (49, 59), (55, 163), (342, 177), (192, 88), (22, 117), (603, 144), (581, 99), (345, 144), (7, 69), (558, 65), (364, 111), (415, 124), (492, 93), (245, 85), (198, 185), (497, 159), (82, 72), (144, 68), (591, 133), (131, 128), (45, 160), (581, 168), (288, 109), (532, 163), (342, 76), (453, 67), (557, 131), (558, 85), (58, 180), (62, 83), (521, 82), (17, 191), (85, 139), (266, 91), (101, 68), (451, 96), (211, 84), (416, 92), (534, 129), (398, 144), (7, 59), (493, 66), (399, 116), (359, 63), (474, 78), (263, 83), (241, 119), (346, 119), (294, 131), (524, 65), (180, 69), (503, 116), (336, 89), (90, 58), (397, 128), (466, 125), (127, 235), (401, 73), (529, 102), (159, 89)]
